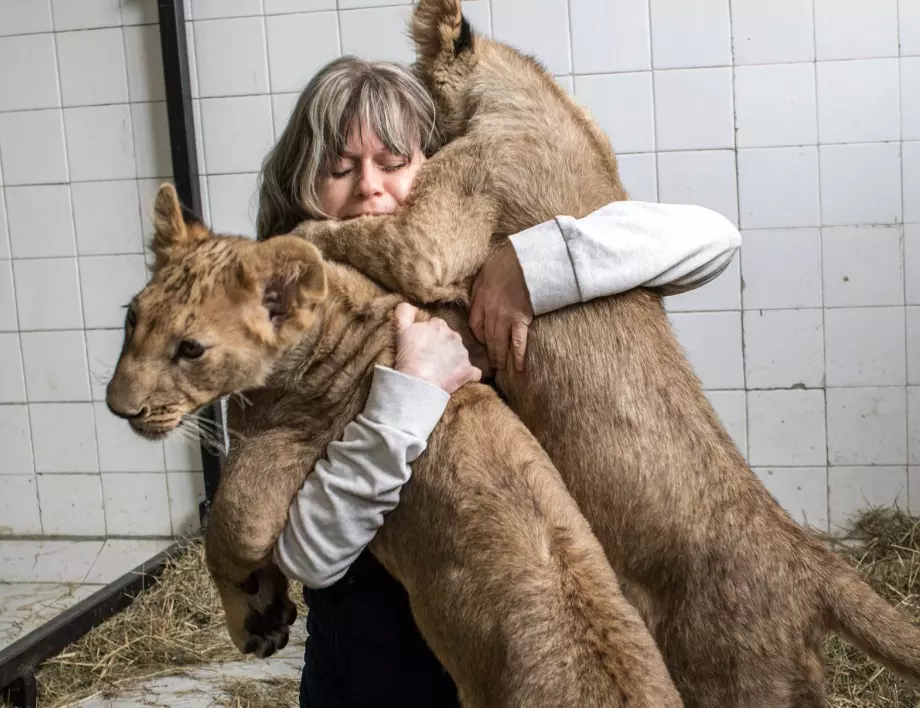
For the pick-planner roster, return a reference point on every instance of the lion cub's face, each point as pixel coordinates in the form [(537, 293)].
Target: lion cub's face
[(214, 319)]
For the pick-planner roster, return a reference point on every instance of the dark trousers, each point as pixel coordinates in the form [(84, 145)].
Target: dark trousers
[(364, 650)]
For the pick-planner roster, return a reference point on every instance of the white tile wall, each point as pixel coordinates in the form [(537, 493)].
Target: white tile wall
[(854, 488), (86, 14), (865, 426), (25, 85), (71, 504), (786, 428), (55, 366), (40, 221), (290, 61), (862, 266), (775, 105), (874, 117), (913, 427), (694, 109), (773, 33), (909, 21), (83, 145), (773, 280), (19, 507), (865, 346), (136, 504), (778, 187), (100, 143), (93, 68), (872, 201), (623, 106), (806, 344), (25, 17), (610, 36), (850, 29), (32, 145), (704, 177), (14, 440), (63, 437), (801, 490), (686, 35), (8, 320), (912, 264), (784, 348)]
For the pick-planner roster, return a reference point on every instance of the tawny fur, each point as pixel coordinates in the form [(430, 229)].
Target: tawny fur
[(506, 581), (737, 595)]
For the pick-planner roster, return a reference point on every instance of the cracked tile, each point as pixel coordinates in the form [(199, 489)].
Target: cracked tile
[(47, 561), (118, 557), (25, 607)]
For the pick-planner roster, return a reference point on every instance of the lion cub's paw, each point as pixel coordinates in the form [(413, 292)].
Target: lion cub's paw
[(259, 612), (269, 627)]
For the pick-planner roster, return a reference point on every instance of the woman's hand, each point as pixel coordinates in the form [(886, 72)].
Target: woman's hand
[(431, 351), (501, 312)]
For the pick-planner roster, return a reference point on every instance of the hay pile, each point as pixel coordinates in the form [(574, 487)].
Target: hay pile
[(175, 626), (178, 625), (885, 545)]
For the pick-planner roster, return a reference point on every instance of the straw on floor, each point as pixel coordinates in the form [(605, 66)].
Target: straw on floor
[(177, 626)]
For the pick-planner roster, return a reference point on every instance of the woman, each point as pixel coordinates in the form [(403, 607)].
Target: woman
[(357, 137)]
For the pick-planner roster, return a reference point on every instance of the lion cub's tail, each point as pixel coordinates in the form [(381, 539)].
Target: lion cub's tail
[(872, 624), (440, 32)]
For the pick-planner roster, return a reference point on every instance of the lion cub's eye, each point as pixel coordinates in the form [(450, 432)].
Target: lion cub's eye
[(190, 349)]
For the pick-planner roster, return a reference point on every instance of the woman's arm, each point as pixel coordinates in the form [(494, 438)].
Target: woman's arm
[(349, 493), (624, 245), (345, 499), (671, 247)]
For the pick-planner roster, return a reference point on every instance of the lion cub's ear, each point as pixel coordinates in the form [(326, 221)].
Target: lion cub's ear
[(176, 228), (293, 279)]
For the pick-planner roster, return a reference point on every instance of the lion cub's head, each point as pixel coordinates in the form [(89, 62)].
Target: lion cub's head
[(214, 319)]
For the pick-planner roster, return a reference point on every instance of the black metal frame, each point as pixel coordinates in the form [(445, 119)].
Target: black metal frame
[(19, 661), (185, 173)]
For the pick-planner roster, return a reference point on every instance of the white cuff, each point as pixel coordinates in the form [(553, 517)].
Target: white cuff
[(547, 265), (405, 402)]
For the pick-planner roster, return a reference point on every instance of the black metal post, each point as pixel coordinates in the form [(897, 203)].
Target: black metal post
[(185, 174)]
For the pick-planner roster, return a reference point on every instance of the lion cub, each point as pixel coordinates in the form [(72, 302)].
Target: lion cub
[(506, 581), (737, 595)]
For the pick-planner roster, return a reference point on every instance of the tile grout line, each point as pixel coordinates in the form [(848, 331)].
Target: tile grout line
[(827, 452), (903, 232), (76, 257), (744, 369)]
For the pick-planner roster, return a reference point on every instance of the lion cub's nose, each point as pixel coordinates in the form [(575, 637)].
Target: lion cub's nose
[(127, 415)]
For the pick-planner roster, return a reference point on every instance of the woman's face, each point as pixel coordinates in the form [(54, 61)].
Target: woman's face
[(367, 179)]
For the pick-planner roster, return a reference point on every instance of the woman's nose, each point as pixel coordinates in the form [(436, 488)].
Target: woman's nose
[(370, 183)]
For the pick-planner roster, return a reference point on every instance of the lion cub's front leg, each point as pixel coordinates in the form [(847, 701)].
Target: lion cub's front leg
[(262, 476)]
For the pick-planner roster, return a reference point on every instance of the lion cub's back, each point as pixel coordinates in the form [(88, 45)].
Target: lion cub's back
[(548, 156)]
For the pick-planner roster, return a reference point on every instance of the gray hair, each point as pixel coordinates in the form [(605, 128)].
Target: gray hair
[(388, 98)]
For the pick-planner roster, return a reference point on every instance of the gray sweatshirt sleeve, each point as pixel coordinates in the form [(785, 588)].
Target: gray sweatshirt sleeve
[(624, 245), (346, 497)]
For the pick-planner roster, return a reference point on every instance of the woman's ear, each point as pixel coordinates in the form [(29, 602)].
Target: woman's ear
[(176, 228)]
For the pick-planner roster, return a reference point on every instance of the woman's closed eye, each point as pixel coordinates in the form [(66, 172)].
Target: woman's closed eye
[(394, 168)]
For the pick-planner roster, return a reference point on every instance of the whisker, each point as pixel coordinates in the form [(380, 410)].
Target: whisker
[(212, 426)]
